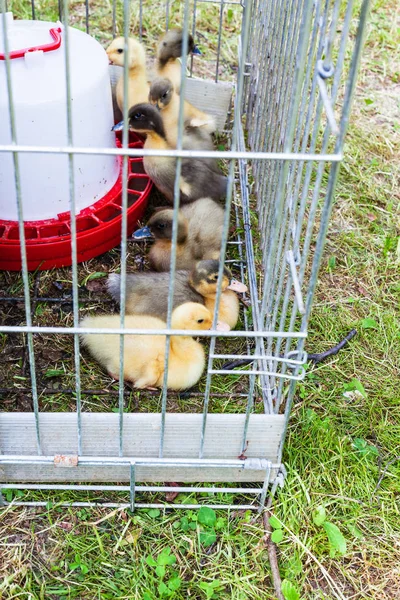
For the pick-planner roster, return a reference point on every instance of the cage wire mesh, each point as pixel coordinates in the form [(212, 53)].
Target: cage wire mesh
[(292, 70)]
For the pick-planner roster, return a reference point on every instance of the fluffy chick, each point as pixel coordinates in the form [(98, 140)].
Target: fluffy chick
[(198, 179), (199, 234), (147, 293), (198, 125), (144, 354), (169, 51), (138, 86)]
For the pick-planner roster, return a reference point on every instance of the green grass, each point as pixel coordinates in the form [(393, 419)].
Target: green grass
[(337, 446)]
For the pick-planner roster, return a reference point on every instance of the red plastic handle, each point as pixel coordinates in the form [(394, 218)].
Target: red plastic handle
[(55, 33)]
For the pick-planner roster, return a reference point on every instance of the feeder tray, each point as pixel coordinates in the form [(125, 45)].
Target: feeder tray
[(48, 241)]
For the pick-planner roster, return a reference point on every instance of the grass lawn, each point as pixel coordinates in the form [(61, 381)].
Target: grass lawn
[(342, 450)]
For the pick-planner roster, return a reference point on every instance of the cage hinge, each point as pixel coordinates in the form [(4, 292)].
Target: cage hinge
[(66, 461), (296, 282), (324, 72), (280, 477)]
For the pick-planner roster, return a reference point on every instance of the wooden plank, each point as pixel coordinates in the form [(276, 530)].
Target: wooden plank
[(141, 439), (213, 98)]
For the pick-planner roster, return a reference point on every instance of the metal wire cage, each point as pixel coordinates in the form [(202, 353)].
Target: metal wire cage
[(296, 67)]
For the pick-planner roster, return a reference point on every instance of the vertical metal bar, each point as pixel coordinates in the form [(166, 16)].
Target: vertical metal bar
[(2, 503), (193, 34), (124, 225), (249, 410), (87, 15), (263, 494), (33, 10), (114, 18), (140, 20), (225, 232), (167, 15), (72, 208), (221, 17), (21, 230), (175, 221), (132, 486)]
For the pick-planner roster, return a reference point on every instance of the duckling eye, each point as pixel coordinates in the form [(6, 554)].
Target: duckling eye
[(120, 50), (200, 320), (164, 95), (161, 225), (137, 116)]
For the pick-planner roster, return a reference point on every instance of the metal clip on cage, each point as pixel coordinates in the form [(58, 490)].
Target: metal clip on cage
[(292, 91)]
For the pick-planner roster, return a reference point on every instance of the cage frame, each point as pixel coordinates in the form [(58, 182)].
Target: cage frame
[(72, 464)]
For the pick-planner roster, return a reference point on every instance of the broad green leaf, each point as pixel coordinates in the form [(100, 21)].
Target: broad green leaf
[(355, 384), (207, 537), (166, 558), (192, 525), (277, 536), (150, 561), (160, 571), (154, 513), (369, 323), (274, 522), (84, 569), (336, 539), (319, 515), (163, 590), (147, 596), (174, 583), (207, 516), (368, 101), (289, 591), (221, 523), (364, 448)]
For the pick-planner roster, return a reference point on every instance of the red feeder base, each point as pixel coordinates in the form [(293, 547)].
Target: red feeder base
[(48, 242)]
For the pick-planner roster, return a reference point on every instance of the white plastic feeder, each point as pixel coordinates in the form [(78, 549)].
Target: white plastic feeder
[(40, 110)]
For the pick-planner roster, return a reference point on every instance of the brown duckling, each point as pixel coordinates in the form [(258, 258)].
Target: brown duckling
[(138, 86), (169, 51), (147, 293), (199, 177), (198, 125), (199, 234), (144, 354)]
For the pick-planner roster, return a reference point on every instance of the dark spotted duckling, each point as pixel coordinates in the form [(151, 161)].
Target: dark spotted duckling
[(198, 177), (147, 293)]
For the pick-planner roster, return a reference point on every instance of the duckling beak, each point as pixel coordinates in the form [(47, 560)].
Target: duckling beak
[(142, 234), (118, 127), (237, 286), (196, 50)]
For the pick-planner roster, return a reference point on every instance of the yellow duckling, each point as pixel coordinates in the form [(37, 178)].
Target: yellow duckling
[(144, 354), (197, 122), (138, 86), (169, 51), (199, 177), (199, 234), (147, 293)]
